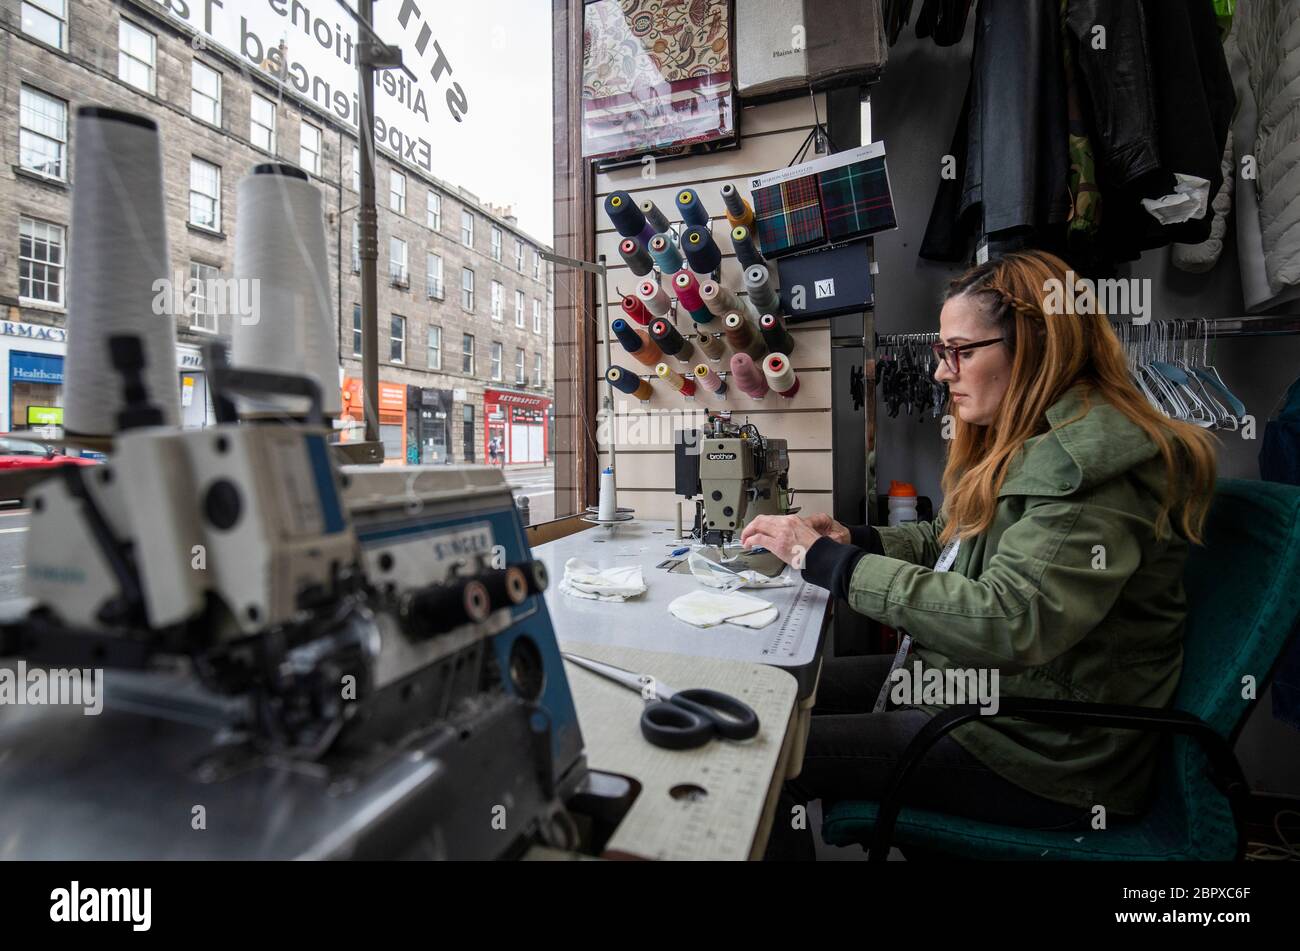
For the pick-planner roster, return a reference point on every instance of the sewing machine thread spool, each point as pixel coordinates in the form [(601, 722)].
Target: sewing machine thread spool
[(634, 309), (708, 378), (629, 383), (691, 208), (624, 214), (119, 244), (711, 345), (741, 336), (635, 256), (780, 375), (777, 338), (675, 380), (671, 342), (702, 252), (637, 343), (280, 248), (718, 299), (762, 289), (664, 251), (742, 240), (687, 289), (738, 211), (652, 295), (656, 218), (747, 376)]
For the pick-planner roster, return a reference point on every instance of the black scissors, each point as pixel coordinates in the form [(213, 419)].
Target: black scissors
[(680, 719)]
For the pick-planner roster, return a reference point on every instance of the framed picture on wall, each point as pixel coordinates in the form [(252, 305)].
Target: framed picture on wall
[(657, 78)]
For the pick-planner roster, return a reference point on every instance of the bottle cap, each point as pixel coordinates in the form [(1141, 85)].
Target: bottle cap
[(897, 489)]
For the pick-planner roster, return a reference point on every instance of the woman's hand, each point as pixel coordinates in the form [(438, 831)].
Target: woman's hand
[(787, 536), (823, 524)]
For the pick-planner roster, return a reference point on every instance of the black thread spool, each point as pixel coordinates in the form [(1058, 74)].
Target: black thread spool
[(777, 338)]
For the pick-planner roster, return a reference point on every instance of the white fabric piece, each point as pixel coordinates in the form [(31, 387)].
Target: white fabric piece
[(584, 580), (720, 576), (1198, 258), (1189, 200), (710, 608)]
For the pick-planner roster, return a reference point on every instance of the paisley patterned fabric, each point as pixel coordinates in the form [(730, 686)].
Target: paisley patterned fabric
[(656, 73)]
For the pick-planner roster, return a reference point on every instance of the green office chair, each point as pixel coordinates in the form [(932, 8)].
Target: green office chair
[(1243, 607)]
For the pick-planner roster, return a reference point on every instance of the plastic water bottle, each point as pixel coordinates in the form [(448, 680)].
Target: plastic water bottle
[(902, 502)]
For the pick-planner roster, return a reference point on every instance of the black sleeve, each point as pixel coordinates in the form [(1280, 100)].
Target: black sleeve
[(866, 538), (830, 565)]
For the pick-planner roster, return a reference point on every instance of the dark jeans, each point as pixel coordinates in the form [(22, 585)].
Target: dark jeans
[(852, 752)]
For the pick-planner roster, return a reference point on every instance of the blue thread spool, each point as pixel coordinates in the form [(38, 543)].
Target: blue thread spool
[(664, 251), (626, 335), (702, 252), (742, 239), (691, 208), (624, 214)]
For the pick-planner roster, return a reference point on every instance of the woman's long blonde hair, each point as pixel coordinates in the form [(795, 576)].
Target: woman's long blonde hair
[(1050, 355)]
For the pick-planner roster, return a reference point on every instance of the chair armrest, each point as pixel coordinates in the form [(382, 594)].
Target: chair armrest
[(1225, 771)]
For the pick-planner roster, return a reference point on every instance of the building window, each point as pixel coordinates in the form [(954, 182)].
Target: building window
[(467, 354), (356, 169), (205, 93), (397, 192), (202, 296), (42, 133), (356, 247), (205, 195), (309, 148), (40, 261), (397, 263), (435, 347), (537, 265), (519, 309), (135, 55), (356, 330), (47, 21), (467, 229), (397, 340), (433, 211), (537, 316), (433, 264), (261, 120), (519, 256), (537, 369), (467, 289), (496, 243), (496, 360), (496, 300), (521, 375)]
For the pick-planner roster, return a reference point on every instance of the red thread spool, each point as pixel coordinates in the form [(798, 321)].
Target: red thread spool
[(636, 310)]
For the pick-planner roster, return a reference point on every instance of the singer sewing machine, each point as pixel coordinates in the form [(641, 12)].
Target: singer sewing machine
[(304, 660), (734, 473)]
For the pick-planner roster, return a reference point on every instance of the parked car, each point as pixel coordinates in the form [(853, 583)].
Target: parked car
[(17, 453)]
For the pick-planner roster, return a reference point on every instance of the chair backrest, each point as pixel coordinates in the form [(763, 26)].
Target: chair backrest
[(1243, 599)]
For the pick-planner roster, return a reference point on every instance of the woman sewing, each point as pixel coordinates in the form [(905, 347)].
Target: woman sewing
[(1056, 561)]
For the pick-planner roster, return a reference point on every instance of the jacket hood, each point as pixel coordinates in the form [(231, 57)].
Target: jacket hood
[(1077, 454)]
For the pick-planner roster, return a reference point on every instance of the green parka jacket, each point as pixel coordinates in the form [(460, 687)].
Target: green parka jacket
[(1069, 594)]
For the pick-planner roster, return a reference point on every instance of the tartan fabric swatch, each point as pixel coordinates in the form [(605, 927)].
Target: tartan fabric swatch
[(788, 216), (856, 200)]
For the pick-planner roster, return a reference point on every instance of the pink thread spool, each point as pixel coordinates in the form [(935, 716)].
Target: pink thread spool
[(748, 377), (780, 375), (709, 379), (687, 289)]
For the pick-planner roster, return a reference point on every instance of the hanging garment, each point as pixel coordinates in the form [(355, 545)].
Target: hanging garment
[(944, 20), (1264, 51), (1279, 461), (1197, 258), (1194, 103), (1085, 195), (1013, 169)]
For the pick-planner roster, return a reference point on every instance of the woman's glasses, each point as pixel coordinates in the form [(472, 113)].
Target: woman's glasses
[(951, 356)]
